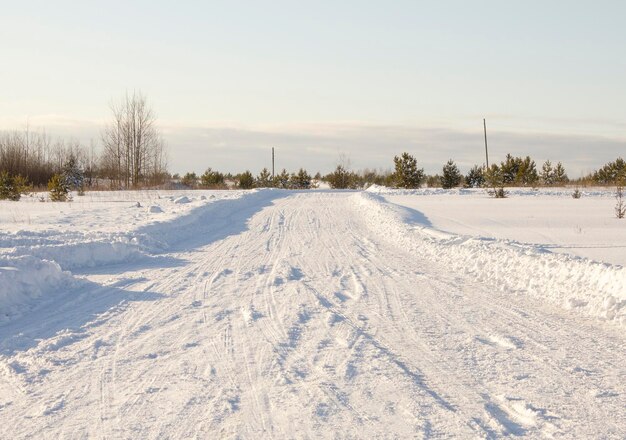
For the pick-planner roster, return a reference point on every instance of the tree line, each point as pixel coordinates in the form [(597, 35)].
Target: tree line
[(132, 155)]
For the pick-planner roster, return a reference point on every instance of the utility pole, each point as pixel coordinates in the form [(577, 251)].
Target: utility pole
[(486, 151), (272, 163)]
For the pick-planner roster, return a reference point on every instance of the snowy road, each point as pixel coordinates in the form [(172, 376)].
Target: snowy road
[(295, 318)]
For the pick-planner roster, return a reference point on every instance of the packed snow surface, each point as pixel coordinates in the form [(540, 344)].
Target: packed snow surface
[(321, 314)]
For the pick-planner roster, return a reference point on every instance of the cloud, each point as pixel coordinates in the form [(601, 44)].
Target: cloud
[(318, 147)]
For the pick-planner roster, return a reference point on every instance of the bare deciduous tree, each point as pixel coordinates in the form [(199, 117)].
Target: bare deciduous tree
[(133, 148)]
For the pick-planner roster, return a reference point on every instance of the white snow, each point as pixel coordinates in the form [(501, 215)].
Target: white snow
[(24, 279), (316, 314)]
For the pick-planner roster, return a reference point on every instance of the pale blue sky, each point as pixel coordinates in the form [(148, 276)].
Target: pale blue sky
[(230, 79)]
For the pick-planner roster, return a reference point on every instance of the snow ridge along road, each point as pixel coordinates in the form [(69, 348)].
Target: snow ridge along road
[(318, 315)]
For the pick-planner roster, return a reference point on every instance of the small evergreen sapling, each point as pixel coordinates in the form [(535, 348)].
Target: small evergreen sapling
[(301, 180), (451, 177), (212, 179), (494, 177), (246, 180), (57, 186), (282, 180), (547, 173), (475, 177), (190, 180), (74, 175), (264, 179), (407, 175), (8, 188)]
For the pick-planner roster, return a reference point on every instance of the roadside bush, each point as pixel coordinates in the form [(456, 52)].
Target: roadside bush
[(620, 205)]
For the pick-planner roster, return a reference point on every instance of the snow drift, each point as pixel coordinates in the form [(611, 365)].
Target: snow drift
[(585, 286), (24, 279)]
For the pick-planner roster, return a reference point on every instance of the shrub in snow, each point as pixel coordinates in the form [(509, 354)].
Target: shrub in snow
[(407, 175), (576, 194), (620, 205), (451, 177), (57, 186)]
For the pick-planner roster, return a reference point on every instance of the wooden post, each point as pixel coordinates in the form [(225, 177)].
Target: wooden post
[(486, 151)]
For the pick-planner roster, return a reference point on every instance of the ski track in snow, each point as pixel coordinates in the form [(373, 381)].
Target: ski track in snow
[(313, 315)]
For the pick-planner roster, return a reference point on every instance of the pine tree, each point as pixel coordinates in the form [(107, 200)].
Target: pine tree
[(342, 178), (494, 176), (527, 172), (475, 177), (57, 186), (301, 180), (559, 175), (407, 175), (451, 177), (282, 180), (611, 173), (264, 179), (8, 188), (190, 180), (212, 179), (74, 175), (510, 169), (246, 180), (547, 173)]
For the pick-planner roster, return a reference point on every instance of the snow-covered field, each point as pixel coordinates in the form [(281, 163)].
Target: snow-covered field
[(321, 314)]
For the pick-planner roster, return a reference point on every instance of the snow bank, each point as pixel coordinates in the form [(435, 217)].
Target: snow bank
[(590, 288), (24, 279), (89, 253), (555, 191), (32, 263)]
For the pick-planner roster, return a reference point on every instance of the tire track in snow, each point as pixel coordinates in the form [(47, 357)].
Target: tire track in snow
[(308, 325)]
